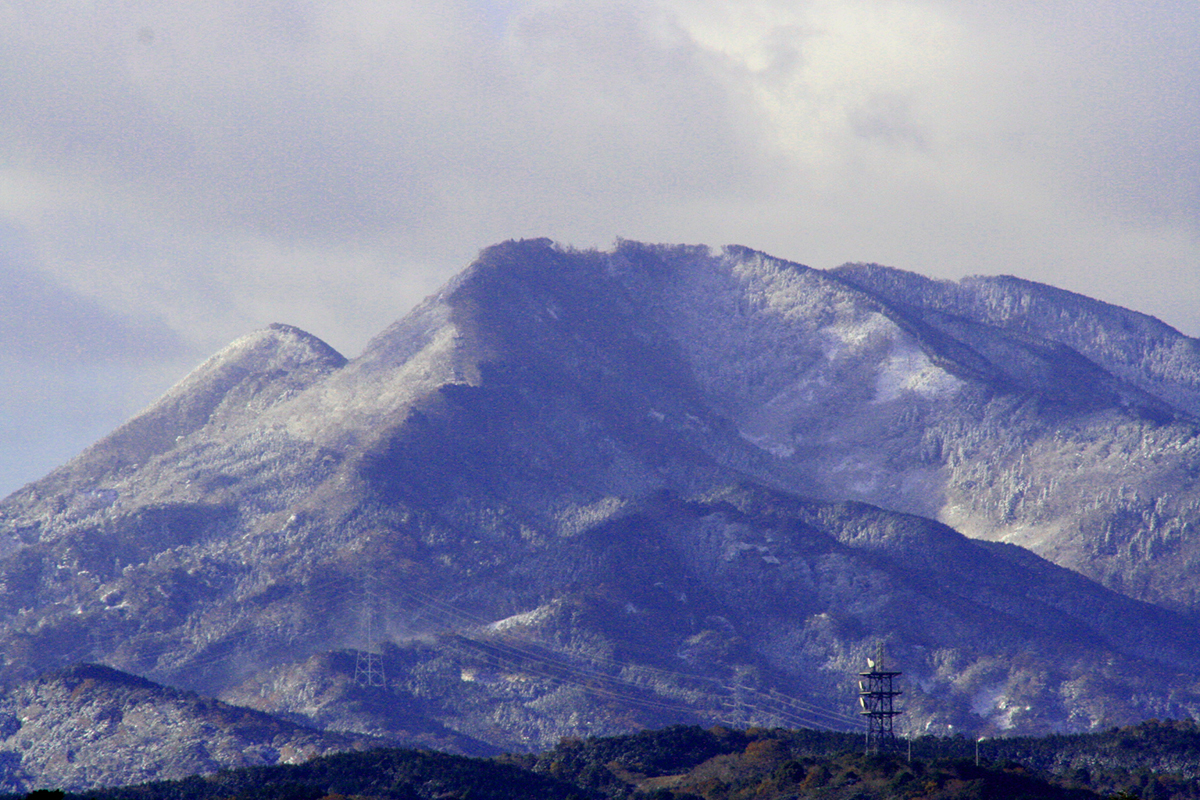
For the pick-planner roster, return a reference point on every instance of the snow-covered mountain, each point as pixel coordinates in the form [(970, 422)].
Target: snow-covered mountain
[(89, 725), (576, 492)]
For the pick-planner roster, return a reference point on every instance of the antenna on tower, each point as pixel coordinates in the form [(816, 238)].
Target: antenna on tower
[(368, 666), (876, 693)]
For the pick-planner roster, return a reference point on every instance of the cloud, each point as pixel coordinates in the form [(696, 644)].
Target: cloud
[(1044, 139), (43, 322), (183, 141), (72, 370), (223, 165), (420, 130), (369, 118)]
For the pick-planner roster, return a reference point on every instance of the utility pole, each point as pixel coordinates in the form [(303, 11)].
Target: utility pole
[(876, 695)]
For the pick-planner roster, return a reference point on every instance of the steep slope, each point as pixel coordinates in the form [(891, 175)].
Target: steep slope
[(1110, 494), (579, 492)]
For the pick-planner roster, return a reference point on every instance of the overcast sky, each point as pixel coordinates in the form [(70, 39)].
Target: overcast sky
[(175, 174)]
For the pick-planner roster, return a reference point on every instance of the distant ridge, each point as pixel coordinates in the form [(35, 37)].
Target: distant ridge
[(89, 725)]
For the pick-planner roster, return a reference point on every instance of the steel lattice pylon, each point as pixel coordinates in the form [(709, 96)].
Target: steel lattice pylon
[(368, 669), (876, 695), (368, 666)]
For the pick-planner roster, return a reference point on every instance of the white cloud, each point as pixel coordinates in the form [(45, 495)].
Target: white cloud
[(221, 165)]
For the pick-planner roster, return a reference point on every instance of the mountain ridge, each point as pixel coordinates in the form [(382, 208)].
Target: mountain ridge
[(88, 725), (661, 467), (1019, 309)]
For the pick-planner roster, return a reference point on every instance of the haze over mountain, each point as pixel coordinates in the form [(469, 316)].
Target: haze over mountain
[(579, 492)]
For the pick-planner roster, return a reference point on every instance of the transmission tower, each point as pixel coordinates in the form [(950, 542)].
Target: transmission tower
[(876, 693), (368, 666)]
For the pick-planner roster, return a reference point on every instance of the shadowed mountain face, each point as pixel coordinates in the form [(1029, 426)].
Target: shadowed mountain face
[(576, 493)]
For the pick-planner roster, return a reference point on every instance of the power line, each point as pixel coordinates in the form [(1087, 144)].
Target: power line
[(476, 636)]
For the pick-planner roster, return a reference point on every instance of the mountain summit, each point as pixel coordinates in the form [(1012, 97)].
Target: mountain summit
[(579, 492)]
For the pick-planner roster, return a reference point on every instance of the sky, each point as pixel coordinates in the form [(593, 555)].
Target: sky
[(174, 175)]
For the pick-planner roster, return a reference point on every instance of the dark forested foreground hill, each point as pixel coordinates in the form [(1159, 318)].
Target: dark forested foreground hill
[(1151, 760)]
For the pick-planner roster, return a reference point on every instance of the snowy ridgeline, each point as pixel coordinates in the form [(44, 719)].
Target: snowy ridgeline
[(540, 457)]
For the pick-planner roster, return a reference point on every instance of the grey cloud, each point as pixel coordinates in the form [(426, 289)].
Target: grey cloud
[(886, 116), (71, 370), (374, 119), (41, 321), (289, 126), (1106, 94), (222, 165)]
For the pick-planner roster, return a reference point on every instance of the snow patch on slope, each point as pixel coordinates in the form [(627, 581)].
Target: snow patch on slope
[(994, 704), (361, 396), (907, 368), (526, 619), (274, 350), (578, 518), (855, 332)]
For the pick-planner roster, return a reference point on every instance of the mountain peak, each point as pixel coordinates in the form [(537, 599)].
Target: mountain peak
[(521, 488), (277, 347), (233, 387)]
